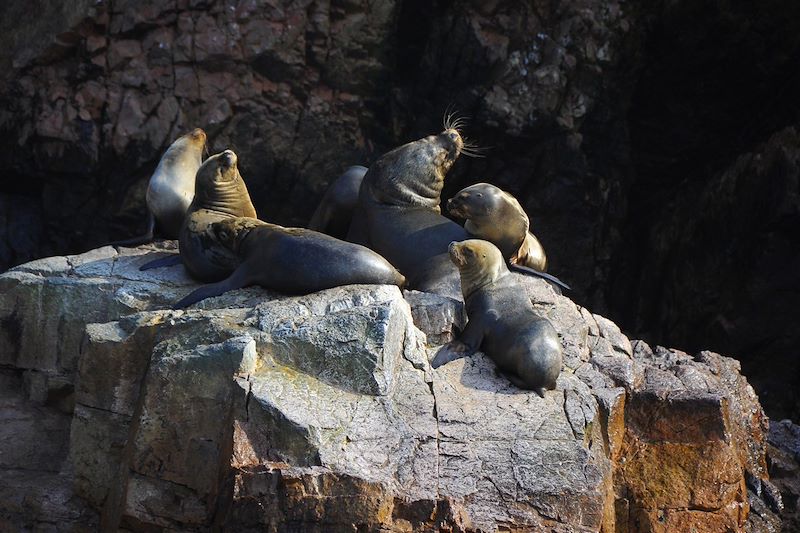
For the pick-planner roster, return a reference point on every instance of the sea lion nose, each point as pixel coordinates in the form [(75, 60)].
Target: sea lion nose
[(228, 158), (198, 133), (451, 248)]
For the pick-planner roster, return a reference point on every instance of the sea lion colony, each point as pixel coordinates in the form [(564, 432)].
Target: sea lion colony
[(395, 234)]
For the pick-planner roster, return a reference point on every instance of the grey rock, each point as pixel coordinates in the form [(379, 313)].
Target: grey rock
[(256, 410)]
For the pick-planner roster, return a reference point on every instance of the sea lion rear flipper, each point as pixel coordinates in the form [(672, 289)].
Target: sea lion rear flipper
[(237, 280), (170, 260), (531, 272)]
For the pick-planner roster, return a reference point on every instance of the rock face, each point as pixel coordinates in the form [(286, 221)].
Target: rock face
[(254, 411)]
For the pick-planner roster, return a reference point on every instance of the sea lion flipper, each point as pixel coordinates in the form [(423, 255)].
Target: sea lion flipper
[(531, 272), (464, 346), (450, 352), (170, 260), (237, 280)]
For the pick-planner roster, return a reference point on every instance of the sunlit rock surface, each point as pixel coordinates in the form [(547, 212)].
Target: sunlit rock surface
[(254, 411)]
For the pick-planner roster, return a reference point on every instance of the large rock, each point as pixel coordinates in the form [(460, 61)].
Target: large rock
[(254, 411)]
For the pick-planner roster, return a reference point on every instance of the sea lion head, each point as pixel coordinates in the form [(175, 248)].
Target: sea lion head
[(197, 136), (195, 140), (479, 263), (476, 201), (220, 187), (413, 174)]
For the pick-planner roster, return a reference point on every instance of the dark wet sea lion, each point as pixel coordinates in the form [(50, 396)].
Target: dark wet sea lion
[(335, 210), (501, 321), (171, 187), (292, 260), (398, 213)]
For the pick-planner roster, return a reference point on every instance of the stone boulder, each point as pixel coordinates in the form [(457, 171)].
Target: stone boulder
[(255, 411)]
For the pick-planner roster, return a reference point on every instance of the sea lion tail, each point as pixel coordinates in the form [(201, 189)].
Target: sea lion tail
[(531, 272)]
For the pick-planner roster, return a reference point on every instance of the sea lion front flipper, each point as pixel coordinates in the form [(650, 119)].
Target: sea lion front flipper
[(170, 260), (237, 280), (464, 346), (450, 352), (531, 272)]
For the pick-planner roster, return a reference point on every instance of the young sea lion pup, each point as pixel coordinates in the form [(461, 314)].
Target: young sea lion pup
[(171, 187), (496, 216), (501, 321), (221, 241)]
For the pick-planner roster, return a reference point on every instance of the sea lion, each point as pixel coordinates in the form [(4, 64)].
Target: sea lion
[(220, 193), (496, 216), (398, 213), (335, 211), (501, 321), (222, 241), (171, 187), (291, 260)]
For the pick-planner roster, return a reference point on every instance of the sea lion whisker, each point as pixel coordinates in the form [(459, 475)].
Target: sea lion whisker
[(470, 144), (459, 123), (448, 115)]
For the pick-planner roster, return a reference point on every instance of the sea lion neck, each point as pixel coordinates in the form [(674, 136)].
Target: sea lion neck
[(476, 277), (479, 264), (220, 188)]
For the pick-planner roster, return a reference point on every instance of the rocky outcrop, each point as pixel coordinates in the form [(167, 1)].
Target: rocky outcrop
[(254, 411), (613, 122)]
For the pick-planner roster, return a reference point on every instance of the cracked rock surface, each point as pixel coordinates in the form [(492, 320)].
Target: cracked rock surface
[(254, 411)]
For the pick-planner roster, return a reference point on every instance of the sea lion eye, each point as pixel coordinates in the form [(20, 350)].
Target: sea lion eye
[(453, 135), (480, 195)]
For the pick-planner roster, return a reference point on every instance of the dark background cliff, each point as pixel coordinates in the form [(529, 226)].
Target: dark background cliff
[(653, 143)]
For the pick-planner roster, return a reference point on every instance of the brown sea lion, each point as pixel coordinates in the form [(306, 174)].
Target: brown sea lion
[(220, 194), (335, 211), (501, 321), (398, 213), (496, 216), (171, 187), (221, 241)]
